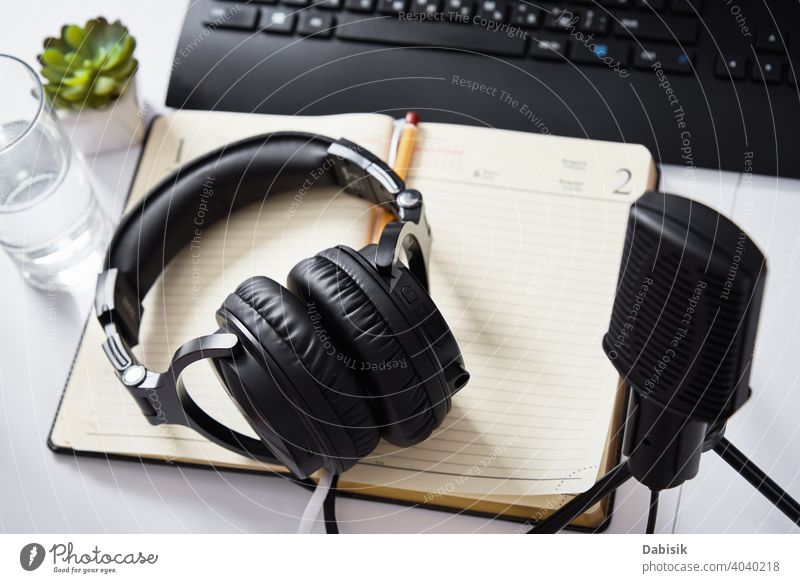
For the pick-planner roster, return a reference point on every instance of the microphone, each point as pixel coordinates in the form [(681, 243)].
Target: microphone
[(682, 332), (681, 335)]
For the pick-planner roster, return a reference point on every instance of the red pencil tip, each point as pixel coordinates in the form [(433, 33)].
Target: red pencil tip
[(412, 117)]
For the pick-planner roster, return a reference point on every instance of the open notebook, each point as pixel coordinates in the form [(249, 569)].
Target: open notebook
[(528, 233)]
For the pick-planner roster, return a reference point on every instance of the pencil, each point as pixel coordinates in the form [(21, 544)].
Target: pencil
[(402, 162), (405, 146)]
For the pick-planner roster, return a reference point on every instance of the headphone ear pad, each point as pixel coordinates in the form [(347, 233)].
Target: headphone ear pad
[(335, 284), (279, 322)]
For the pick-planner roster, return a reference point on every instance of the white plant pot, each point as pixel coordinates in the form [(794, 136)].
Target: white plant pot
[(119, 126)]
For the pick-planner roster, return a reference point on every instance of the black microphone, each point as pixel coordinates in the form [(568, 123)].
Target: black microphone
[(682, 331), (681, 335)]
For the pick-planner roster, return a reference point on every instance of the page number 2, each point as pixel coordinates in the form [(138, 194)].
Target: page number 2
[(623, 178)]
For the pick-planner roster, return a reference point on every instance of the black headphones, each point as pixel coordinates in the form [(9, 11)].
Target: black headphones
[(284, 355)]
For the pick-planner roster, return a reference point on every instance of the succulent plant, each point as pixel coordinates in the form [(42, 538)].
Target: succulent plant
[(89, 66)]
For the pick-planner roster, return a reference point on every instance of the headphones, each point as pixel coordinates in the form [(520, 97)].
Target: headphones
[(282, 353)]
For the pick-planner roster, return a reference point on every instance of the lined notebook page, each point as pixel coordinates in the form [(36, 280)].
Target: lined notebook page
[(528, 235), (527, 238)]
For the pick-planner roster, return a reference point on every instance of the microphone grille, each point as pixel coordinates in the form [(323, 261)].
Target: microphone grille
[(683, 323)]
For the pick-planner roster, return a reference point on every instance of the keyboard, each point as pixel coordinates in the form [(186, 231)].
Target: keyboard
[(701, 83)]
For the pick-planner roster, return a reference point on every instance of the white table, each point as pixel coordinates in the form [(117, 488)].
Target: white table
[(45, 492)]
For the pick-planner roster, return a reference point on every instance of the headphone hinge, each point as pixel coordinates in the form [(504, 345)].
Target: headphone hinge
[(117, 303), (127, 368), (410, 235)]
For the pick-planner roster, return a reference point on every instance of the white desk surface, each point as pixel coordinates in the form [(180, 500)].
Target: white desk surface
[(44, 492)]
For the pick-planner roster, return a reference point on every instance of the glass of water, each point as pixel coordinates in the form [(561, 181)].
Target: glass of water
[(50, 221)]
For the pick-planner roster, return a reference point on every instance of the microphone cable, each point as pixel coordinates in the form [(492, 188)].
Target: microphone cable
[(329, 508), (652, 513)]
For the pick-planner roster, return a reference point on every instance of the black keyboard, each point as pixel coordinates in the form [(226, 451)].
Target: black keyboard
[(706, 83)]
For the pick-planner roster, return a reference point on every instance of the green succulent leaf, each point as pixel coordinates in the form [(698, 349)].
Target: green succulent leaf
[(79, 78), (104, 86), (125, 71), (88, 66), (74, 94), (119, 55), (54, 59), (74, 35), (53, 76)]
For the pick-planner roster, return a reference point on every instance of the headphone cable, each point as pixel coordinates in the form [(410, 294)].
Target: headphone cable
[(316, 502)]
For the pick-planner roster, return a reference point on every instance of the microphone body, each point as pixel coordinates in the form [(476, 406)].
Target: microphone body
[(682, 331)]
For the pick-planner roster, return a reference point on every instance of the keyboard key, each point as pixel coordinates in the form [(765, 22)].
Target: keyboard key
[(525, 16), (458, 10), (687, 6), (327, 4), (672, 59), (319, 25), (733, 67), (359, 5), (644, 59), (277, 20), (606, 53), (769, 39), (768, 70), (562, 20), (424, 6), (391, 6), (492, 10), (437, 34), (550, 47), (236, 17), (650, 27), (594, 21)]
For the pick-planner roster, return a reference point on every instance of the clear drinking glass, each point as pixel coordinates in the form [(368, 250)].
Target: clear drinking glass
[(50, 221)]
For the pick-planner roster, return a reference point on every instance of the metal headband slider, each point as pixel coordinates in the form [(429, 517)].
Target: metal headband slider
[(116, 303), (362, 174)]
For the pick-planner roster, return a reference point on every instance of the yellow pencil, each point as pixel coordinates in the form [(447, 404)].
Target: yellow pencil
[(405, 146), (402, 162)]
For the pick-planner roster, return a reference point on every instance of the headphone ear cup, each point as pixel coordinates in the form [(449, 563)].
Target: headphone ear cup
[(364, 321), (297, 368)]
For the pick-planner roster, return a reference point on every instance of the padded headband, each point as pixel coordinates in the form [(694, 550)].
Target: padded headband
[(221, 182)]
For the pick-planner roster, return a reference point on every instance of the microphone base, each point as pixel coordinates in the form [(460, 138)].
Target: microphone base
[(716, 441), (663, 447)]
